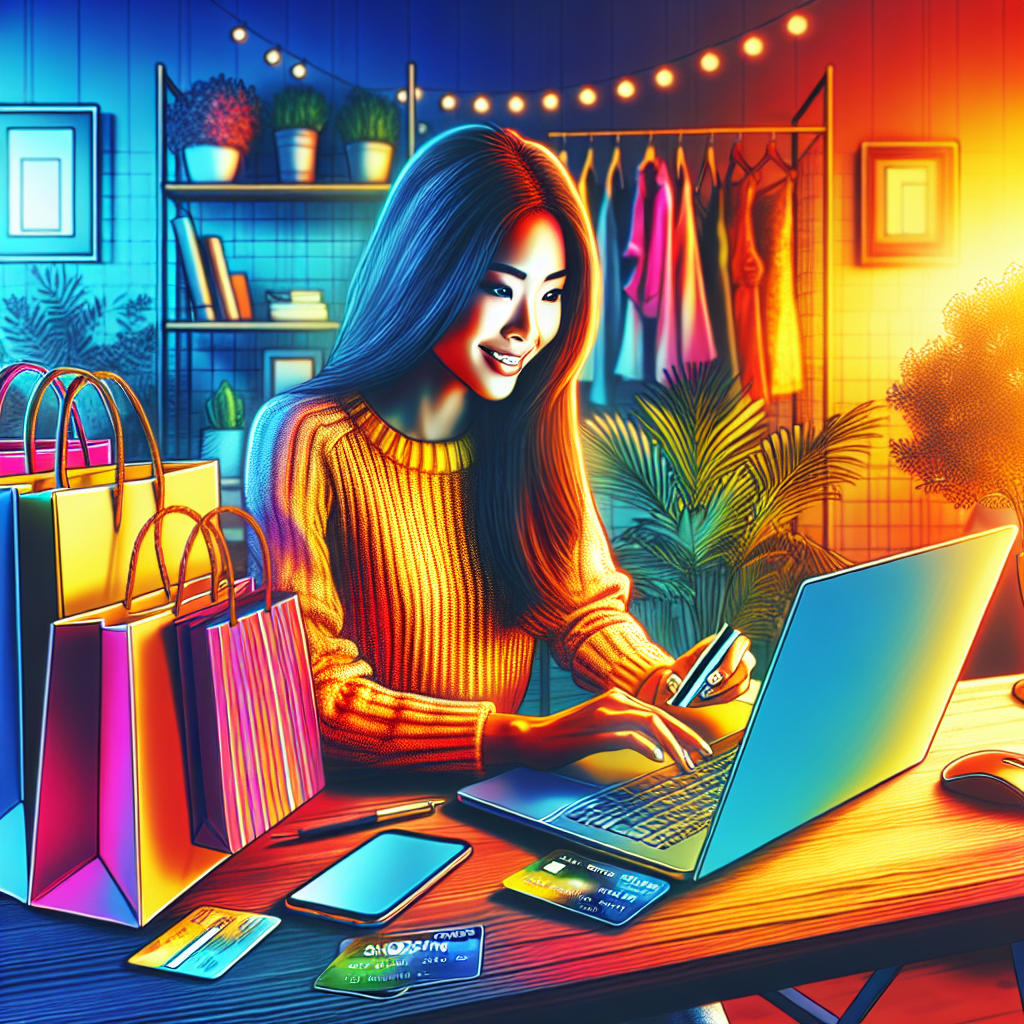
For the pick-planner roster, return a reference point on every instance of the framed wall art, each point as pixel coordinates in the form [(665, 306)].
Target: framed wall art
[(49, 183), (909, 202), (286, 368)]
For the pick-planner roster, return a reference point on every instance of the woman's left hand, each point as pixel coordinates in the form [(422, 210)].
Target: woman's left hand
[(735, 669)]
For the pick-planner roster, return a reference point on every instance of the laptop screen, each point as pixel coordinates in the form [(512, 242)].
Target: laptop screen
[(866, 664)]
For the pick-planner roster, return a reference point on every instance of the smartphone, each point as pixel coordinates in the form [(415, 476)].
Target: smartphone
[(697, 681), (380, 878)]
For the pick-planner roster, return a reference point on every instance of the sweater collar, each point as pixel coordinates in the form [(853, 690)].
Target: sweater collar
[(426, 456)]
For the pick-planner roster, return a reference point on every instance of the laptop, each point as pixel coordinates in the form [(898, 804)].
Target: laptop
[(863, 671)]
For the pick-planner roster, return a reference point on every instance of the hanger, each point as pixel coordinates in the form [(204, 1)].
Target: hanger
[(707, 166), (563, 155), (737, 159), (613, 166), (650, 153), (588, 164), (771, 155)]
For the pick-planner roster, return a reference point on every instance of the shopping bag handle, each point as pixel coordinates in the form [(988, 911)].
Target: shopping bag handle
[(7, 376), (215, 556), (154, 450), (32, 415), (208, 519)]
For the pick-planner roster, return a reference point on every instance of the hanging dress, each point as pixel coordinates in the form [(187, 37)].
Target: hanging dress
[(696, 343), (588, 190), (713, 239), (773, 231), (747, 270), (650, 286)]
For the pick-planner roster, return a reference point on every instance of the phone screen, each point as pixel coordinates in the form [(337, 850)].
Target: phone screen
[(379, 875)]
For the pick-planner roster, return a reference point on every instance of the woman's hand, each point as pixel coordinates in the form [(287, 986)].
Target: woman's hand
[(734, 670), (615, 720)]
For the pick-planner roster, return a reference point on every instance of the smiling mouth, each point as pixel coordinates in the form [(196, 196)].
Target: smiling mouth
[(505, 359)]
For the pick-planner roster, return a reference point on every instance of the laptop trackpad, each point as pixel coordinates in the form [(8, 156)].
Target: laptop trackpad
[(611, 767), (524, 791)]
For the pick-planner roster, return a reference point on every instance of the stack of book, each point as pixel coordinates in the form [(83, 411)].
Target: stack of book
[(216, 293), (297, 304)]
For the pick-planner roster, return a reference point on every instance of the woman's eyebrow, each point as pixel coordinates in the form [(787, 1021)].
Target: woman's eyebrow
[(556, 274), (504, 268)]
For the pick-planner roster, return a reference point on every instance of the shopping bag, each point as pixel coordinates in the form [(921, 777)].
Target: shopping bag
[(72, 532), (13, 455), (248, 688), (112, 828)]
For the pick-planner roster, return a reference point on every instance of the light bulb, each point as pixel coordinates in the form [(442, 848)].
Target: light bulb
[(625, 89), (797, 25), (419, 93), (664, 77), (402, 95), (550, 101), (239, 33), (299, 70), (753, 46), (272, 56), (481, 104), (710, 61), (423, 127), (588, 96), (516, 104), (449, 101)]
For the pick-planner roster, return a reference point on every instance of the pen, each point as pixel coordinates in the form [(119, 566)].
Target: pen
[(400, 812)]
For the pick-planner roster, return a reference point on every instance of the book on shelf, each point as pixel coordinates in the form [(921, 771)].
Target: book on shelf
[(298, 311), (192, 263), (217, 264), (296, 295), (240, 286)]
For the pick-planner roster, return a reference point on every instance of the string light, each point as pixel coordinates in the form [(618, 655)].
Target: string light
[(403, 95), (299, 70), (449, 101), (272, 56), (588, 96), (664, 77), (550, 101), (516, 104), (625, 90), (481, 104), (753, 46), (239, 33), (797, 25), (710, 61)]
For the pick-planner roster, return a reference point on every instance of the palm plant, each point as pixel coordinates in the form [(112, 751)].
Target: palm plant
[(718, 498)]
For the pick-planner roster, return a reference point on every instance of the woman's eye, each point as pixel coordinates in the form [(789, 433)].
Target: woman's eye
[(554, 295), (501, 291)]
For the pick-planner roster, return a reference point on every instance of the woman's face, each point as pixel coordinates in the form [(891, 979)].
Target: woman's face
[(514, 313)]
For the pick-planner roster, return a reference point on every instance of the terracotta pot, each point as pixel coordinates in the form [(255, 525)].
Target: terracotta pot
[(207, 163), (369, 162), (296, 154)]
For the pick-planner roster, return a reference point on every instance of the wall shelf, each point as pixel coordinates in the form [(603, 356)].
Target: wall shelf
[(239, 326), (273, 192)]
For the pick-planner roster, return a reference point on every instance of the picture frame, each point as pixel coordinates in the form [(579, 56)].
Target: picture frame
[(49, 183), (286, 368), (909, 203)]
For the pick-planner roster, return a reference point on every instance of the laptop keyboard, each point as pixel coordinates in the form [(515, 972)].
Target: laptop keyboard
[(660, 809)]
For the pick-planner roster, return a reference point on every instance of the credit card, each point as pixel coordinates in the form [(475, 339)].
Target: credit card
[(206, 943), (608, 893), (381, 964)]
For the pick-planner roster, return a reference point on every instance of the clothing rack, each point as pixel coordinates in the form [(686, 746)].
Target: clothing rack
[(824, 88)]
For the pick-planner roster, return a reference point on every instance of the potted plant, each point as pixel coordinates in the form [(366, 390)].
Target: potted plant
[(299, 115), (213, 125), (368, 124), (717, 498), (962, 396), (224, 439)]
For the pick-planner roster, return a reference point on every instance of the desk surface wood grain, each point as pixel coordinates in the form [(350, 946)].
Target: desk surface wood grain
[(905, 872)]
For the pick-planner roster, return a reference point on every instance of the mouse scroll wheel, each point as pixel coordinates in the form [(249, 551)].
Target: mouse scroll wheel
[(1014, 762)]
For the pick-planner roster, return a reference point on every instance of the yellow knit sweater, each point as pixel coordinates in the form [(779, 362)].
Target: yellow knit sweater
[(371, 529)]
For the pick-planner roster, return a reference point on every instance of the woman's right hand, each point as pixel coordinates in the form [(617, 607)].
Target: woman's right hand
[(614, 720)]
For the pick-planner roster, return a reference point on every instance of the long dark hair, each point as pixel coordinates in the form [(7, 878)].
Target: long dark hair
[(438, 231)]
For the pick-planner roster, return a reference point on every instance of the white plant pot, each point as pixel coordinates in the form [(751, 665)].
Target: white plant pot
[(207, 163), (296, 154), (369, 162), (227, 447)]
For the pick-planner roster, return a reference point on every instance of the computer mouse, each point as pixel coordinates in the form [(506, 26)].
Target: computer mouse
[(995, 775)]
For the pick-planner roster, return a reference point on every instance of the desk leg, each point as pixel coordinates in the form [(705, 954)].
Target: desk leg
[(1017, 948), (806, 1011)]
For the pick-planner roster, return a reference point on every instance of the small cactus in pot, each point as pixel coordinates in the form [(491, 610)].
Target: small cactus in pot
[(224, 439)]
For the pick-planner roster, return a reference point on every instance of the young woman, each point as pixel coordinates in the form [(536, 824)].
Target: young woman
[(425, 494)]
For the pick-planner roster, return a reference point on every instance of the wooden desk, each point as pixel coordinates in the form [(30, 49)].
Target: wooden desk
[(906, 872)]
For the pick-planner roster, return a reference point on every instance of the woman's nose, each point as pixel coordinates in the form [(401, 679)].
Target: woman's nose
[(522, 324)]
